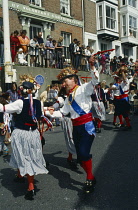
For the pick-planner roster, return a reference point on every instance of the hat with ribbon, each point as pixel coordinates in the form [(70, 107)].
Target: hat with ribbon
[(28, 85), (67, 73)]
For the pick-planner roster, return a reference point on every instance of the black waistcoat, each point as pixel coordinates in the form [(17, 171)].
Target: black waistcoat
[(24, 120)]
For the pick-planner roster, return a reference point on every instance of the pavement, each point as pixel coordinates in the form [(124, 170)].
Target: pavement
[(115, 166)]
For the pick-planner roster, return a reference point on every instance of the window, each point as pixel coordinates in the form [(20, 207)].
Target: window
[(126, 52), (34, 30), (100, 17), (124, 25), (132, 3), (132, 26), (66, 41), (103, 46), (66, 38), (35, 2), (123, 2), (65, 7), (110, 17)]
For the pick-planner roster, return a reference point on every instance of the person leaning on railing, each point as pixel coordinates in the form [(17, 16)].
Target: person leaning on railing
[(24, 41), (49, 47), (59, 53), (33, 50)]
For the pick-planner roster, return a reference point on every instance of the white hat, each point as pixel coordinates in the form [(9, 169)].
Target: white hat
[(115, 75), (20, 49)]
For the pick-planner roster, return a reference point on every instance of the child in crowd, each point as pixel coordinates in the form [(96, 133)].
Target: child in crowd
[(132, 94), (4, 128), (21, 57)]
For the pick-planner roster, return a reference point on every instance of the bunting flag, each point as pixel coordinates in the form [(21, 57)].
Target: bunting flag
[(100, 52), (32, 108)]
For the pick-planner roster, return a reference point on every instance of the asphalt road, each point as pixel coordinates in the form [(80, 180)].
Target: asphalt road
[(115, 165)]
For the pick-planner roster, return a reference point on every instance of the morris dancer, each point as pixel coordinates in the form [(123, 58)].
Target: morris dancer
[(67, 127), (98, 108), (25, 139), (122, 106), (116, 94), (78, 104)]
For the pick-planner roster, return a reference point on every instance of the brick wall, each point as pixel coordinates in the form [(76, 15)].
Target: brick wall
[(54, 6), (14, 22), (90, 16), (26, 2), (76, 9), (75, 31), (51, 6)]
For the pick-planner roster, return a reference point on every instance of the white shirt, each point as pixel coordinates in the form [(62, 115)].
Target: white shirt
[(125, 87), (15, 107), (82, 97)]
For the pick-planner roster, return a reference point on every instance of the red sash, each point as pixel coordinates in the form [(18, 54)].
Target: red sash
[(82, 119), (121, 96)]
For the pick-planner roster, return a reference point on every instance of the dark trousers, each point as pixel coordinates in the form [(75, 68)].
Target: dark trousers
[(122, 107), (83, 142)]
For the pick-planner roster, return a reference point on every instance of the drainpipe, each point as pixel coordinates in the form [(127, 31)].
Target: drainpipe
[(83, 32), (7, 53)]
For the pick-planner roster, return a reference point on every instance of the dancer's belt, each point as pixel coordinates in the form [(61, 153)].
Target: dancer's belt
[(30, 124), (121, 96), (82, 119)]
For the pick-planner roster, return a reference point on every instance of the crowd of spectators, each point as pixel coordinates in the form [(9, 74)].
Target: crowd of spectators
[(35, 51), (38, 50), (51, 53)]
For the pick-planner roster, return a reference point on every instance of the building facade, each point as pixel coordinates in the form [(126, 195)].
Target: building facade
[(54, 17), (117, 26), (101, 24)]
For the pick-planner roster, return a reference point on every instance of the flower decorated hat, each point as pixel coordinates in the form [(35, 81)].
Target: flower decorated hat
[(66, 73)]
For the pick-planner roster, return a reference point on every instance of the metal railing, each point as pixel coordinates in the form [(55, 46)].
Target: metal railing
[(54, 58)]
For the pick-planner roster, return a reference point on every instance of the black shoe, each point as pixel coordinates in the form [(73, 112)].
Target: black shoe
[(72, 164), (121, 125), (98, 130), (19, 180), (30, 195), (89, 186), (115, 124), (93, 181)]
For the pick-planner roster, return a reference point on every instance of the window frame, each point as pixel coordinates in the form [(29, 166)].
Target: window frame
[(133, 26), (35, 26), (62, 3), (33, 2), (100, 16), (63, 34), (112, 20), (130, 3), (104, 46), (124, 28)]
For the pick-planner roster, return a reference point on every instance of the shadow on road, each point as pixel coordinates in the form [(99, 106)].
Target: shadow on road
[(17, 189), (117, 175), (64, 179)]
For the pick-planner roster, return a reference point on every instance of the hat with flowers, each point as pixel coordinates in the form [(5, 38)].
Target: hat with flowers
[(67, 73)]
